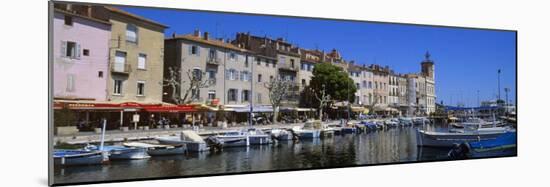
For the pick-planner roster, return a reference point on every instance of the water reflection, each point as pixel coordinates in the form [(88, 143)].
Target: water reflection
[(387, 146)]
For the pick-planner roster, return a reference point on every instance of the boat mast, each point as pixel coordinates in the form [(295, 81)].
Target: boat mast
[(103, 134)]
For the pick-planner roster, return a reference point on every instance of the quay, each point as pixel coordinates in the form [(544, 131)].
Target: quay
[(136, 135)]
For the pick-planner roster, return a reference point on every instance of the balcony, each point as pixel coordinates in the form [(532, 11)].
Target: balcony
[(213, 61), (289, 67), (121, 68)]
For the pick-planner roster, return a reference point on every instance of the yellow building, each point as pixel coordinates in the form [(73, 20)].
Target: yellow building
[(135, 58)]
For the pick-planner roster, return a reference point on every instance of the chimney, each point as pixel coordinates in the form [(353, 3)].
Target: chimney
[(206, 35), (197, 33), (174, 35)]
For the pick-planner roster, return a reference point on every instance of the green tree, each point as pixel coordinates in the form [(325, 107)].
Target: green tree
[(336, 82)]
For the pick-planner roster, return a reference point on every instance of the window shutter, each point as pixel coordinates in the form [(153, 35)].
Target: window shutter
[(77, 52), (190, 49), (63, 49), (198, 51)]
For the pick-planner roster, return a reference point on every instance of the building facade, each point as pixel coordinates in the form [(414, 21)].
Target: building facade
[(79, 61), (135, 58)]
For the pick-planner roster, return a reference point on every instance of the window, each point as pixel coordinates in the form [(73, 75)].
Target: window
[(273, 65), (211, 74), (86, 52), (309, 67), (131, 33), (212, 54), (70, 49), (304, 83), (245, 96), (259, 97), (370, 85), (282, 60), (246, 63), (258, 62), (100, 74), (211, 94), (197, 74), (259, 77), (120, 61), (232, 95), (245, 76), (70, 83), (142, 61), (292, 63), (117, 87), (357, 86), (194, 50), (303, 66), (68, 20), (232, 74), (140, 88), (364, 84), (232, 56)]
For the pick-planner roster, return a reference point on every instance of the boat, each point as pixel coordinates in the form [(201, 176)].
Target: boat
[(348, 128), (309, 131), (239, 138), (448, 139), (158, 149), (188, 138), (391, 122), (403, 121), (506, 144), (281, 134), (78, 157), (420, 121), (116, 152)]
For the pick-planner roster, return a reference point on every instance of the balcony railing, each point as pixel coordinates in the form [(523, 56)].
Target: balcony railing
[(287, 66), (120, 68), (213, 60)]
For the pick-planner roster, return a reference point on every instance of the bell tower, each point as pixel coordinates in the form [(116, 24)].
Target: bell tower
[(428, 66)]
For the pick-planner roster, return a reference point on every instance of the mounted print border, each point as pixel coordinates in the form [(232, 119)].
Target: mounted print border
[(140, 93)]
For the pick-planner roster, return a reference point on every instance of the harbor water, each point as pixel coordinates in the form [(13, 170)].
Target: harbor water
[(385, 146)]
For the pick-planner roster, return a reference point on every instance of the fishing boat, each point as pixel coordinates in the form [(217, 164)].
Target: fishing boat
[(420, 120), (78, 157), (117, 152), (505, 144), (158, 149), (309, 131), (403, 121), (448, 139), (391, 122), (188, 138)]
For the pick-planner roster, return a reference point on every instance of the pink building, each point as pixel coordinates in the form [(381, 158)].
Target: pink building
[(81, 56)]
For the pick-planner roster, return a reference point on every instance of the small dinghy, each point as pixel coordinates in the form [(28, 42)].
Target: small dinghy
[(158, 149)]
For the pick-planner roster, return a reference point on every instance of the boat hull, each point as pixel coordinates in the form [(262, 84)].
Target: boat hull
[(128, 154), (309, 134), (450, 139), (91, 158), (167, 151), (190, 145)]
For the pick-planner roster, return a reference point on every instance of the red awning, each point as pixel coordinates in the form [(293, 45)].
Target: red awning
[(171, 108), (101, 106)]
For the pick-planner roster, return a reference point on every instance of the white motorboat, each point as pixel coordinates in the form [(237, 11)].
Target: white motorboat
[(190, 139)]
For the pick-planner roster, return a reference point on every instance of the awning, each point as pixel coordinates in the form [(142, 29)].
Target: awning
[(286, 109), (357, 109), (171, 108), (95, 105), (255, 109)]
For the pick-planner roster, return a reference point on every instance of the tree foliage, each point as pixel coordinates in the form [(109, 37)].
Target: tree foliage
[(337, 83), (278, 90)]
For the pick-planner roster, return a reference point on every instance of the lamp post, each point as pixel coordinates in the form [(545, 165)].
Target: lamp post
[(498, 84)]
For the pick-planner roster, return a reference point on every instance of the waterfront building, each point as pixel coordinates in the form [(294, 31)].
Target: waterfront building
[(393, 90), (281, 54), (80, 54), (381, 87), (227, 66), (307, 62), (402, 93), (136, 58)]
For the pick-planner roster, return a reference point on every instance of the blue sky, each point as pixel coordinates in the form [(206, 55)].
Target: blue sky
[(466, 60)]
